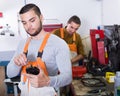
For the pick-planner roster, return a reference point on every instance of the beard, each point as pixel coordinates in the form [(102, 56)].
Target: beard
[(37, 31)]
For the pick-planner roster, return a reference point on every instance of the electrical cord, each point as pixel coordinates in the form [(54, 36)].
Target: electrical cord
[(93, 82), (100, 92)]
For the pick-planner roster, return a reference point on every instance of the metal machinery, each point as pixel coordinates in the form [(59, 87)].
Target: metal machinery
[(106, 45)]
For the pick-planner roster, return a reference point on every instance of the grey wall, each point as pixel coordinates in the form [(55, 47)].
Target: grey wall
[(91, 12)]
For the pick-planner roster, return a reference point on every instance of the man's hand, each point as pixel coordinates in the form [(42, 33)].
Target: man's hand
[(20, 60), (39, 80)]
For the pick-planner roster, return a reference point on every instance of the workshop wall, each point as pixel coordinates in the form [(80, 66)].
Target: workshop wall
[(91, 12), (61, 10), (111, 13)]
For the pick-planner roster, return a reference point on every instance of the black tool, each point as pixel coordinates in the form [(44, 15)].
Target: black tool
[(32, 70)]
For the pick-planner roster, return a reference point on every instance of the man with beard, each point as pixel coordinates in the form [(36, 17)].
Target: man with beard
[(73, 39), (44, 52)]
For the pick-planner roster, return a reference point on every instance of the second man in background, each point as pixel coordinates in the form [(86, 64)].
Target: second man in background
[(73, 39)]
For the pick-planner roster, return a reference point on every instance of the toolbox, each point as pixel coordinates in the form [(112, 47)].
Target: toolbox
[(78, 71)]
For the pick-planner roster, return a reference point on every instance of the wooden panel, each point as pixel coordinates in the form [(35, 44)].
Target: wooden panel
[(2, 84)]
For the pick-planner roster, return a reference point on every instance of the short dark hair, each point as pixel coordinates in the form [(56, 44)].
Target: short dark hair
[(29, 7), (75, 19)]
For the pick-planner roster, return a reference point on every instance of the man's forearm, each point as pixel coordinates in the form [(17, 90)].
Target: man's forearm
[(77, 58)]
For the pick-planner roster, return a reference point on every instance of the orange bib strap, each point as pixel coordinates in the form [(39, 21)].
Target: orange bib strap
[(62, 32), (42, 45), (74, 37), (26, 45), (44, 42)]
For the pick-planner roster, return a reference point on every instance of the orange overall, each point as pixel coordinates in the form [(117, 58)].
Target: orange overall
[(38, 61), (24, 85), (73, 47)]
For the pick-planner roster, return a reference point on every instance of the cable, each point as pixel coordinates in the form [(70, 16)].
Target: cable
[(93, 82)]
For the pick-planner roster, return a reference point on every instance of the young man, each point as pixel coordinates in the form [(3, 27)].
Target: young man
[(41, 50), (72, 38)]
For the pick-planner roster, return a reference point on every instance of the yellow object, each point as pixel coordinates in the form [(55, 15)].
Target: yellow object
[(110, 77), (106, 54)]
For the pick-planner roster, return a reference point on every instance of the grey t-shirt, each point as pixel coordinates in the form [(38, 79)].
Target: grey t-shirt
[(56, 56)]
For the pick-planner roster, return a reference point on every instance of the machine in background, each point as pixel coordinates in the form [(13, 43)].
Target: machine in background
[(105, 50)]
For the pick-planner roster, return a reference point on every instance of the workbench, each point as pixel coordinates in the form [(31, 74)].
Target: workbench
[(82, 90)]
